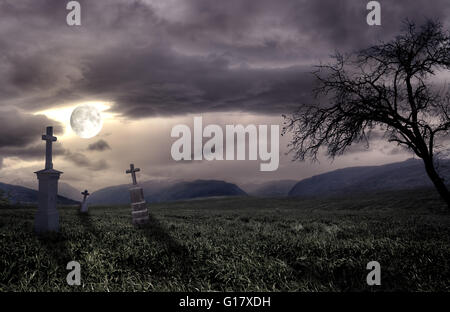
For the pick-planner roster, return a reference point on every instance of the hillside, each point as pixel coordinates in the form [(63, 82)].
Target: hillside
[(237, 244), (273, 188), (199, 189), (165, 190), (119, 194), (24, 195), (64, 189), (404, 175)]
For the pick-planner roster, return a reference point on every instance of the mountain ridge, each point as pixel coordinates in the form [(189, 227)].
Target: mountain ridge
[(24, 195), (166, 190), (403, 175)]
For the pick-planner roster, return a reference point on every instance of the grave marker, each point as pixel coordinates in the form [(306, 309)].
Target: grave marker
[(84, 205), (47, 217), (138, 206)]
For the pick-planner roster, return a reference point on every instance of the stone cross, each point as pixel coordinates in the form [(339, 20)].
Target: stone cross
[(48, 147), (47, 217), (85, 194), (133, 171)]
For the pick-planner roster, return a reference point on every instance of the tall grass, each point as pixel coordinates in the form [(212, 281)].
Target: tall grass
[(236, 244)]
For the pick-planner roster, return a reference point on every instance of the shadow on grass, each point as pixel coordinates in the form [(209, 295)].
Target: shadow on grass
[(85, 220), (180, 259), (55, 245)]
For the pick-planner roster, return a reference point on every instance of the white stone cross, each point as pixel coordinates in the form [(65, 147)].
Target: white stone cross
[(48, 147), (133, 171), (85, 194)]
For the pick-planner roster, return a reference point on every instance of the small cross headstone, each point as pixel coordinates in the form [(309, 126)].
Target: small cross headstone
[(133, 171), (85, 194), (138, 206), (47, 217), (84, 205)]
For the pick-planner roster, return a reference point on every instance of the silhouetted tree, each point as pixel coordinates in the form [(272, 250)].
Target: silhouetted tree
[(387, 86)]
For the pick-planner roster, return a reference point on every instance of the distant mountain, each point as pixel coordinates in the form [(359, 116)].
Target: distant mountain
[(165, 190), (273, 188), (396, 176), (110, 195), (24, 195), (67, 190), (64, 189), (200, 188), (119, 194)]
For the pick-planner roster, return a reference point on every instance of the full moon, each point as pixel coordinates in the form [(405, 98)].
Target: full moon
[(86, 121)]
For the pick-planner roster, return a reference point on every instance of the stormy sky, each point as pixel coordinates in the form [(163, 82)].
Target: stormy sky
[(155, 64)]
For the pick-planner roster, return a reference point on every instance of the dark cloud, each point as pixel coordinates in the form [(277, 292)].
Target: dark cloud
[(32, 151), (168, 58), (36, 151), (164, 58), (99, 165), (100, 145), (19, 129), (396, 150), (82, 160), (359, 147), (78, 159)]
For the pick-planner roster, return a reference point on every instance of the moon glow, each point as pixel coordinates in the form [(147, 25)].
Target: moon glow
[(86, 121)]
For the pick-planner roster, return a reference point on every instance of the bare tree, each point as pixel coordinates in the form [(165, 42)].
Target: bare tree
[(390, 86)]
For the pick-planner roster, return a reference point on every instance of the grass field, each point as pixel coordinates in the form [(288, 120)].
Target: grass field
[(236, 244)]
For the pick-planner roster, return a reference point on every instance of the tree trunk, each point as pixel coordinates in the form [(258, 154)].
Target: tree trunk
[(437, 180)]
